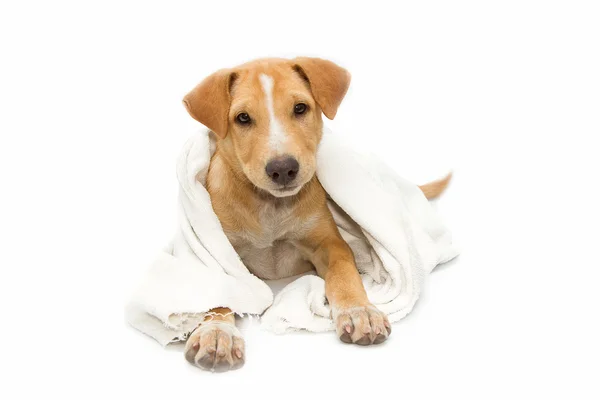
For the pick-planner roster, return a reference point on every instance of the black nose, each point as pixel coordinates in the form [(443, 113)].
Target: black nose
[(283, 170)]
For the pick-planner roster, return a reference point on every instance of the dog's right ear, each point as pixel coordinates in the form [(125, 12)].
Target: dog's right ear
[(208, 103)]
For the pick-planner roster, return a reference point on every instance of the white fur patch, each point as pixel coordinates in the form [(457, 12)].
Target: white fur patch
[(277, 136)]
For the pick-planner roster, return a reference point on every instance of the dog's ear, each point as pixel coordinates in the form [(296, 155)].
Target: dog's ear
[(208, 103), (329, 82)]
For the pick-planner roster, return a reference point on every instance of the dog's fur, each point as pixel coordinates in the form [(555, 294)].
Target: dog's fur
[(279, 229)]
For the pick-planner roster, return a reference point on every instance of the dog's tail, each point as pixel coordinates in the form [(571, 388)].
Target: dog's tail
[(433, 189)]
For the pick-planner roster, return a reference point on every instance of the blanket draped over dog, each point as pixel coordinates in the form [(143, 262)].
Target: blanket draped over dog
[(396, 237)]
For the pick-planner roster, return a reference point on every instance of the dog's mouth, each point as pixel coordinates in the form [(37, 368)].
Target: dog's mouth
[(285, 191), (288, 189)]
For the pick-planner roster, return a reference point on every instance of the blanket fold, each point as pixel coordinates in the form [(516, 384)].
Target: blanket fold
[(396, 237)]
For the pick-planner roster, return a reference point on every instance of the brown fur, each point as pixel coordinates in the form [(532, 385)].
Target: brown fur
[(278, 234), (433, 189)]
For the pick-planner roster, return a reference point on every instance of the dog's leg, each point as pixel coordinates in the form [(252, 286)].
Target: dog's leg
[(357, 320), (216, 344)]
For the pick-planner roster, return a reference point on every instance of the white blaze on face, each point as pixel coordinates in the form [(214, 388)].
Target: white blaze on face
[(277, 136)]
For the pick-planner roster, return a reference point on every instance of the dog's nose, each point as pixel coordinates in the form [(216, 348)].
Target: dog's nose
[(282, 170)]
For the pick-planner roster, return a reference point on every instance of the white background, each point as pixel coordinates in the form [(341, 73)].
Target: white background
[(506, 94)]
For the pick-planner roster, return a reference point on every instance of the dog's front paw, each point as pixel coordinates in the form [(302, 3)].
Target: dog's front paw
[(215, 346), (361, 325)]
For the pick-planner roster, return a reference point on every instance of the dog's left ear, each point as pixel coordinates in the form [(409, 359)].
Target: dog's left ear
[(208, 103), (328, 81)]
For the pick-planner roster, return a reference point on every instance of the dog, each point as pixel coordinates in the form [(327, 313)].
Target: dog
[(266, 116)]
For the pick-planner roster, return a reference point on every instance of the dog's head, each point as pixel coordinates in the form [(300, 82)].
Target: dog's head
[(267, 117)]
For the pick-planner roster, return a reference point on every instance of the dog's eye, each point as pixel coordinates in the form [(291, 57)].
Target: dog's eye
[(300, 108), (243, 118)]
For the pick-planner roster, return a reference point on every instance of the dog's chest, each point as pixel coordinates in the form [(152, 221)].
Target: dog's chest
[(277, 222), (270, 253)]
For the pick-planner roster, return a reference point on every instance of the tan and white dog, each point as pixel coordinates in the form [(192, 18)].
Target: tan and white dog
[(266, 116)]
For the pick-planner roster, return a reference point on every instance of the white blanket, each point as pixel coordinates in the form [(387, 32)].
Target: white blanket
[(395, 235)]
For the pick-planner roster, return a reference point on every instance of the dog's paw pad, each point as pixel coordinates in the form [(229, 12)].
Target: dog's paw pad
[(361, 325), (215, 346)]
